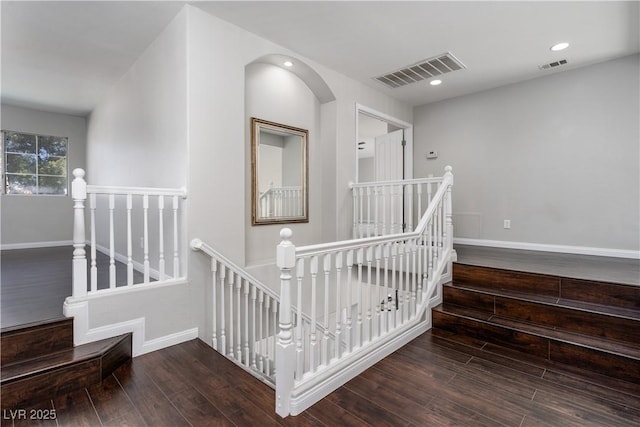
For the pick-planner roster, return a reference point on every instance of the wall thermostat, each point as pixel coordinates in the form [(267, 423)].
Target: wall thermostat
[(432, 155)]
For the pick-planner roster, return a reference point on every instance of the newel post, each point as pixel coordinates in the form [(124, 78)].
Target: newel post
[(79, 195), (448, 176), (285, 348)]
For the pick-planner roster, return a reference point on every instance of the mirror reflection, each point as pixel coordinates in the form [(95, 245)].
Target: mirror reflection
[(279, 173)]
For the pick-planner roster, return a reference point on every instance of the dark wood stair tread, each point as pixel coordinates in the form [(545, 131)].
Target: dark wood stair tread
[(599, 343), (621, 312), (27, 368)]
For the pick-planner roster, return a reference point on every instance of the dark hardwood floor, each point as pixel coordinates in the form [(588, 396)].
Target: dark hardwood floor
[(430, 382), (35, 282)]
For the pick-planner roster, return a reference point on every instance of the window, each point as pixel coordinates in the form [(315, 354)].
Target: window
[(34, 164)]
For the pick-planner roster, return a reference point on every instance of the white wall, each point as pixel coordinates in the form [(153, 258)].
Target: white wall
[(42, 220), (219, 166), (277, 95), (557, 155), (137, 136)]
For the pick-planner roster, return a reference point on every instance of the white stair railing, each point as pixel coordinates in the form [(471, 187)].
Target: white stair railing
[(365, 297), (281, 202), (244, 315), (116, 214), (389, 207)]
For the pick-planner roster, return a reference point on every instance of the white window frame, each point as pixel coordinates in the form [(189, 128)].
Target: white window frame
[(3, 161)]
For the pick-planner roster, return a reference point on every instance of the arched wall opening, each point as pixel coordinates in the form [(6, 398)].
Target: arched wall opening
[(294, 97)]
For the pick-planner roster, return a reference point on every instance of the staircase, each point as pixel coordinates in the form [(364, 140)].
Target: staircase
[(579, 324), (39, 361)]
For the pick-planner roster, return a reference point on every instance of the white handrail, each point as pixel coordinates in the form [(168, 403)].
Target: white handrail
[(197, 244), (137, 191), (431, 180)]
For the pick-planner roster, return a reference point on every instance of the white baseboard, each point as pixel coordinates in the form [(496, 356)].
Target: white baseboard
[(82, 334), (33, 245), (578, 250)]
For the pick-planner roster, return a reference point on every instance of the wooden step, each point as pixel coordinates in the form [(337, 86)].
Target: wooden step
[(35, 339), (587, 291), (33, 380), (39, 361), (603, 356), (614, 323)]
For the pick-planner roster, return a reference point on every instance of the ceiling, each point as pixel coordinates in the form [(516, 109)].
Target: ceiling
[(73, 52)]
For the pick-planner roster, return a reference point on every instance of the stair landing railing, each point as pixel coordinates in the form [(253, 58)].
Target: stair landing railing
[(370, 296), (116, 215), (390, 207)]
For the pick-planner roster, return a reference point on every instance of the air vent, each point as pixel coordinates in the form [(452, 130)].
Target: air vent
[(423, 70), (553, 64)]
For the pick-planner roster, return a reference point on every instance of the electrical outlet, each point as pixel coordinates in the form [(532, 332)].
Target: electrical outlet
[(507, 224)]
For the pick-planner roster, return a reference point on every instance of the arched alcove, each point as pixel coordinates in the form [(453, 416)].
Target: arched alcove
[(293, 96)]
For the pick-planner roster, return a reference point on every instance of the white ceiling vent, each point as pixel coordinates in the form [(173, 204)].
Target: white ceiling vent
[(553, 64), (423, 70)]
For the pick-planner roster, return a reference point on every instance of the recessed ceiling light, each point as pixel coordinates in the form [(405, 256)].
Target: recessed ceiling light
[(559, 46), (288, 64), (435, 82)]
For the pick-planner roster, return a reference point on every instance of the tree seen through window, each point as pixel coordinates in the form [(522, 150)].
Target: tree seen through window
[(34, 164)]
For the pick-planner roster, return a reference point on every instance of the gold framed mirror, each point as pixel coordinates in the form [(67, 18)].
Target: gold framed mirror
[(279, 173)]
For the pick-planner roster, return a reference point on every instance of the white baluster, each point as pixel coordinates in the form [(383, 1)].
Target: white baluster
[(394, 289), (145, 213), (367, 224), (260, 330), (161, 237), (358, 334), (385, 202), (313, 342), (367, 288), (299, 325), (338, 340), (246, 323), (112, 249), (267, 362), (410, 203), (386, 304), (350, 300), (176, 256), (79, 195), (129, 208), (214, 302), (253, 327), (231, 280), (361, 218), (392, 225), (238, 323), (376, 210), (377, 297), (354, 194), (325, 338), (94, 266), (223, 335)]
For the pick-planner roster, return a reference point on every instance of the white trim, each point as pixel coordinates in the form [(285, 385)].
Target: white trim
[(408, 136), (33, 245), (579, 250), (78, 308)]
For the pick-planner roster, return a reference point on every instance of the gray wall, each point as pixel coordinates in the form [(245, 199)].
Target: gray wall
[(42, 220), (557, 155)]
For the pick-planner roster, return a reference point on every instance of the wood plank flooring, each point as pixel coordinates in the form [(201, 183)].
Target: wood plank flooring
[(430, 382), (35, 282)]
